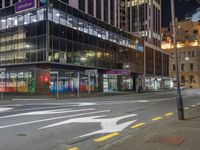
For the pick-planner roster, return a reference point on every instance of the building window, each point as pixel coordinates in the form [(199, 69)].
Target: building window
[(1, 3), (181, 54), (105, 10), (65, 1), (192, 54), (189, 54), (82, 5), (112, 13), (91, 7), (182, 79), (98, 9), (172, 54), (191, 66), (182, 67), (7, 3), (191, 79), (15, 1), (174, 67)]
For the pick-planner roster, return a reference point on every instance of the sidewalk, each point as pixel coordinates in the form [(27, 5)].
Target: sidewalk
[(62, 96), (170, 135), (73, 96)]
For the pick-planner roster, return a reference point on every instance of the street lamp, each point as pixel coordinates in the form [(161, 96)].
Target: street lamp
[(187, 58), (179, 96)]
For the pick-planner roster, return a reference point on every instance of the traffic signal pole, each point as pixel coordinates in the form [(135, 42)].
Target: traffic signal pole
[(180, 109)]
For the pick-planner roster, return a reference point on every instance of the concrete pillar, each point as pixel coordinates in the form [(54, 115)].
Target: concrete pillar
[(100, 82), (119, 83)]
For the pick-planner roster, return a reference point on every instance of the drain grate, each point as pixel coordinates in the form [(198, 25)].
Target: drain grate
[(168, 140)]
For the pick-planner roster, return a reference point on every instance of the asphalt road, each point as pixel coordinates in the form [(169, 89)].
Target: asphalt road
[(85, 124)]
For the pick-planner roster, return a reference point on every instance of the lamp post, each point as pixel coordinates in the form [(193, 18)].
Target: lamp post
[(57, 81), (179, 96), (2, 85)]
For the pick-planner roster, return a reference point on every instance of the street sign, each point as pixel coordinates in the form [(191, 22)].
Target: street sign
[(25, 5), (2, 69), (91, 71)]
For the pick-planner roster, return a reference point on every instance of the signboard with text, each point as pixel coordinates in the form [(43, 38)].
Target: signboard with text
[(25, 5)]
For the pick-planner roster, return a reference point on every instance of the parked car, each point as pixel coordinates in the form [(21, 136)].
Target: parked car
[(182, 87)]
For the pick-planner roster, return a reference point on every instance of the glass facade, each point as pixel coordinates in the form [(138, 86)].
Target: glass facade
[(22, 38), (61, 35), (21, 81)]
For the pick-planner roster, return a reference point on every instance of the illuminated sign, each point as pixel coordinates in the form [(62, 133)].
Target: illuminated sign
[(139, 48), (118, 72), (25, 5)]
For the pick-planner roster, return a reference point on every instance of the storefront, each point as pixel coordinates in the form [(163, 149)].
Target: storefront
[(69, 81), (158, 83), (118, 80), (20, 81)]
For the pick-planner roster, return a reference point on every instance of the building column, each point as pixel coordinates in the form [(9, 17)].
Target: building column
[(131, 21), (145, 71), (162, 64), (154, 61), (102, 10), (3, 3), (109, 17), (119, 83), (95, 9), (86, 6)]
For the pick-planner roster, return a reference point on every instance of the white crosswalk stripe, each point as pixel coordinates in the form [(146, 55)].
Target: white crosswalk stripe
[(5, 109)]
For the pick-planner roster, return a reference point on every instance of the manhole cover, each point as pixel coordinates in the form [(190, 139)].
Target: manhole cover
[(172, 140), (22, 135)]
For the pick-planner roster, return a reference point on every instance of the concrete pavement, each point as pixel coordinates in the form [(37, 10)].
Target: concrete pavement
[(84, 124), (169, 135)]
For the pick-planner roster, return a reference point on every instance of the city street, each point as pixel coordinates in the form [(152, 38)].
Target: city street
[(85, 124)]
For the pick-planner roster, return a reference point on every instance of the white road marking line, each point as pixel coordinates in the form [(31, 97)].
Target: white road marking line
[(186, 108), (37, 108), (108, 125), (40, 99), (50, 119), (5, 109), (47, 112), (193, 105)]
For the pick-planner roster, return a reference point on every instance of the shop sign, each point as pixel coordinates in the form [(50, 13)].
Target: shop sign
[(118, 72), (2, 69), (139, 48), (91, 71), (25, 5)]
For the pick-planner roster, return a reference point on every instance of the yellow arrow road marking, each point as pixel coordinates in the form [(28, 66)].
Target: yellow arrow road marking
[(104, 138), (138, 125), (157, 118), (73, 148), (169, 114)]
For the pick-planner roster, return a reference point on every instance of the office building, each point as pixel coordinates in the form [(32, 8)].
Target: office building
[(50, 46), (188, 53)]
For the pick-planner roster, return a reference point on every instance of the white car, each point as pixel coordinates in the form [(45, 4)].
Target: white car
[(182, 87)]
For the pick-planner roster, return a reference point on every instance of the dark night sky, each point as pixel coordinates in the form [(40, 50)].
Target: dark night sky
[(182, 8)]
